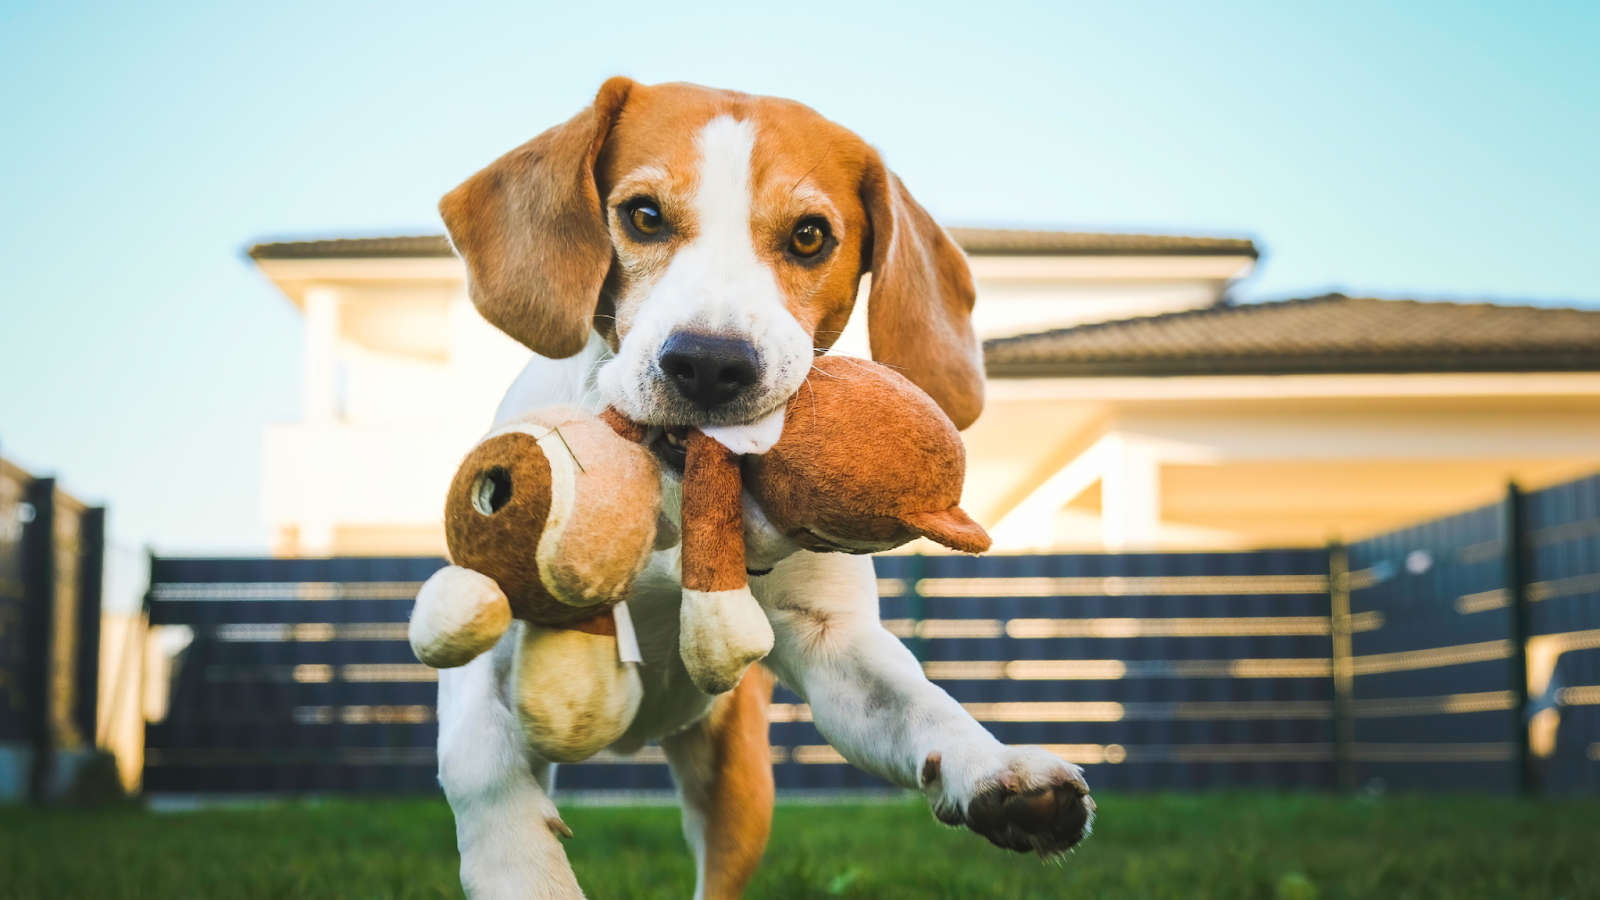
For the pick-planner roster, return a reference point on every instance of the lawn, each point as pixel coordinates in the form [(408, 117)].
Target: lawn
[(1294, 847)]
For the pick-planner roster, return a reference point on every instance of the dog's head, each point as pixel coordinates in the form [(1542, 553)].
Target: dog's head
[(717, 241)]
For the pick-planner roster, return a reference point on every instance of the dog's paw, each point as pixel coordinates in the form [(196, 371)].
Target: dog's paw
[(1025, 799)]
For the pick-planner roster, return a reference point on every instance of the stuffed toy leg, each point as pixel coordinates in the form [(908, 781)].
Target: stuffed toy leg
[(577, 689), (722, 629)]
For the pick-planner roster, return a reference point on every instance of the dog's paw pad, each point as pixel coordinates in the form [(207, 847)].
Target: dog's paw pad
[(1027, 810), (1047, 821)]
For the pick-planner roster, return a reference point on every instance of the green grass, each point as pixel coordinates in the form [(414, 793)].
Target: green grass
[(1275, 847)]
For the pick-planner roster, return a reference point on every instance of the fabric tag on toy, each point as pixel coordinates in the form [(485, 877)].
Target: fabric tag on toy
[(627, 640), (756, 437)]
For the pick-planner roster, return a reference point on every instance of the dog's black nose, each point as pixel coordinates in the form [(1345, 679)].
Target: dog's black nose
[(708, 371)]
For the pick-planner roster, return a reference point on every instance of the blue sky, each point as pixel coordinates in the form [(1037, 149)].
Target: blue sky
[(1435, 150)]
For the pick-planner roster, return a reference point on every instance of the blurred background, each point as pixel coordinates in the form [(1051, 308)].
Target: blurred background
[(1252, 277), (1409, 152)]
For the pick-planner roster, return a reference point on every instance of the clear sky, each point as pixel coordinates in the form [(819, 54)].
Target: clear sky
[(1433, 150)]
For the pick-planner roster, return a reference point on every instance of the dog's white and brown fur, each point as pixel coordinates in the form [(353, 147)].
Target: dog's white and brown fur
[(682, 254)]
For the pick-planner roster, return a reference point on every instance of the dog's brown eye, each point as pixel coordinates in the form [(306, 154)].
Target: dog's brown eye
[(809, 237), (646, 218)]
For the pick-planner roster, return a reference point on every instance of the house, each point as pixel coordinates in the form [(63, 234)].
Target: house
[(1130, 404), (1279, 424)]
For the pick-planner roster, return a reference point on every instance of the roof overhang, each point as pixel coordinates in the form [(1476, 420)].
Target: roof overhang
[(294, 276), (1121, 268), (1296, 387), (1304, 365), (994, 254)]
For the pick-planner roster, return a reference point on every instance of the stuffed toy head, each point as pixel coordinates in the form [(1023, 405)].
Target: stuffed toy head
[(559, 510), (866, 463), (549, 520)]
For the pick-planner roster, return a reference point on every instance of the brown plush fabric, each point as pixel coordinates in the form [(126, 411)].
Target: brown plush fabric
[(626, 428), (713, 521), (866, 463), (502, 546), (951, 527), (604, 624), (606, 540)]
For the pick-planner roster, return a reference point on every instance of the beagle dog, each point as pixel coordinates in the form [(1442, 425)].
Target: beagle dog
[(682, 253)]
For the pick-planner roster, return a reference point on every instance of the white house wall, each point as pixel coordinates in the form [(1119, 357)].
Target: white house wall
[(402, 376), (395, 396), (1143, 470), (1018, 307)]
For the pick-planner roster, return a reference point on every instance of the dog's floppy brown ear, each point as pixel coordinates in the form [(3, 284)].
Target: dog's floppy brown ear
[(533, 233), (919, 311)]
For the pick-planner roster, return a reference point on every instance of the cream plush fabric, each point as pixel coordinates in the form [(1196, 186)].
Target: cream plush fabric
[(721, 634), (574, 694), (459, 614)]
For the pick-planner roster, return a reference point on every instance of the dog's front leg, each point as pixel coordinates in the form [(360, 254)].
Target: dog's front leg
[(870, 699), (506, 824)]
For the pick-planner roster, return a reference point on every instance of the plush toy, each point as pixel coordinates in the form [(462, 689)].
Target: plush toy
[(549, 520), (552, 518), (866, 462)]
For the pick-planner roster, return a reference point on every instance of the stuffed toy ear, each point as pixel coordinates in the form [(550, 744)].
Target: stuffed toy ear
[(459, 614), (951, 527)]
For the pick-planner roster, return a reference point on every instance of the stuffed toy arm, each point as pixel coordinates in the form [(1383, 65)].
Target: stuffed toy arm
[(459, 614), (722, 629)]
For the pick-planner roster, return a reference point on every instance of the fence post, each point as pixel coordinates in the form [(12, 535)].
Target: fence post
[(91, 585), (914, 606), (1515, 562), (39, 586), (1343, 669)]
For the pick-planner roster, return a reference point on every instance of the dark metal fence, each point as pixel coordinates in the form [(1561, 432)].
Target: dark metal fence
[(1156, 670), (1476, 648), (1446, 656), (51, 553), (299, 677), (16, 711), (1434, 702), (1561, 609)]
